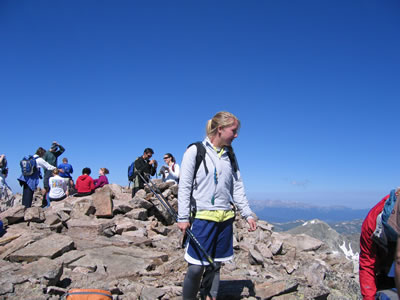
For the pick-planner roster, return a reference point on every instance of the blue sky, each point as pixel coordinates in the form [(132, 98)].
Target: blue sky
[(314, 83)]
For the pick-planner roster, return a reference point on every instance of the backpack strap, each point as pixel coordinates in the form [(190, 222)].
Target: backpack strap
[(232, 158), (200, 157)]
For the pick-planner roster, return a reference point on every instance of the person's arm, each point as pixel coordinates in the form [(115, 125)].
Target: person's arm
[(60, 151), (367, 261), (397, 266), (174, 173), (185, 185), (41, 163), (91, 184)]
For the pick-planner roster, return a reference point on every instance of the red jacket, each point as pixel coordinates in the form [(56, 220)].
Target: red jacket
[(368, 262), (84, 184)]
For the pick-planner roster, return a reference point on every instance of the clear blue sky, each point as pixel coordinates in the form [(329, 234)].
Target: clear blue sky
[(315, 84)]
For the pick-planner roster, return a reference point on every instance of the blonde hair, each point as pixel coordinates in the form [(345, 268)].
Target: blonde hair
[(56, 172), (105, 171), (223, 119)]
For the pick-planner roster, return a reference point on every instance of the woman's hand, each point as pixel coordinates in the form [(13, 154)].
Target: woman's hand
[(183, 226), (252, 223)]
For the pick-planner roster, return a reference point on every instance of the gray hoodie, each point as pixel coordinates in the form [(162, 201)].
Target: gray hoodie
[(228, 187)]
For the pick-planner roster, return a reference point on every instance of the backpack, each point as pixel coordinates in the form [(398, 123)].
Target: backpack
[(87, 294), (386, 212), (131, 171), (201, 157), (28, 165)]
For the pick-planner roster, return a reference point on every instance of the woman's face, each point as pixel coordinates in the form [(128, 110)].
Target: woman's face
[(101, 172), (228, 134), (167, 159)]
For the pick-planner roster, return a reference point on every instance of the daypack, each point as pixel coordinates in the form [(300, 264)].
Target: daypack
[(28, 165), (3, 163), (201, 157), (131, 171), (386, 212), (88, 294)]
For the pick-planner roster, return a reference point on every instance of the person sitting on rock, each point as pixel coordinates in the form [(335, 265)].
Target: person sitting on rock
[(102, 180), (170, 171), (5, 190), (67, 171), (84, 184), (58, 188)]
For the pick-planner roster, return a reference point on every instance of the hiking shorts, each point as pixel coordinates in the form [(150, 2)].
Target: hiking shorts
[(215, 237)]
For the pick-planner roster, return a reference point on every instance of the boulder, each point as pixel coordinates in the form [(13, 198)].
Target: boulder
[(102, 200), (13, 215), (34, 214)]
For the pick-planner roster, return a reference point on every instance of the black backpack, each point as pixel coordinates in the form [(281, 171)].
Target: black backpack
[(201, 157)]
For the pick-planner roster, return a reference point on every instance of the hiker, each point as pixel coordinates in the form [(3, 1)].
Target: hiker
[(212, 193), (102, 180), (84, 184), (30, 183), (67, 171), (170, 171), (375, 257), (51, 157), (144, 165), (58, 188), (5, 190)]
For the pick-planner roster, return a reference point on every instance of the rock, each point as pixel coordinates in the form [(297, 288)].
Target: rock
[(141, 203), (255, 257), (88, 227), (267, 289), (102, 200), (50, 247), (138, 214), (13, 215), (151, 293), (121, 207), (83, 207), (34, 214)]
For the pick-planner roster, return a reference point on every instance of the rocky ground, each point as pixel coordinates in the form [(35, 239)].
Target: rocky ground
[(131, 248)]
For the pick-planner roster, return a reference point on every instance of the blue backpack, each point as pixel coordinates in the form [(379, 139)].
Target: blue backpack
[(28, 165), (386, 212), (131, 172)]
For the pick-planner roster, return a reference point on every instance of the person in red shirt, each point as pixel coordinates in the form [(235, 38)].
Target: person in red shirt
[(84, 184), (374, 262)]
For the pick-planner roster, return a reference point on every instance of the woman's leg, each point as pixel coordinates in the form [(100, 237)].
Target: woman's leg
[(210, 282), (191, 284)]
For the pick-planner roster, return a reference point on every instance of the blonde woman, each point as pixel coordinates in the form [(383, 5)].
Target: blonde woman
[(213, 187)]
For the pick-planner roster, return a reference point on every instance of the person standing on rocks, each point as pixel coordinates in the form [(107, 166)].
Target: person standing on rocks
[(30, 183), (212, 193), (143, 165), (51, 157)]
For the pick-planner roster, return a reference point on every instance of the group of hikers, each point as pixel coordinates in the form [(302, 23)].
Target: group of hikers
[(57, 178), (210, 189)]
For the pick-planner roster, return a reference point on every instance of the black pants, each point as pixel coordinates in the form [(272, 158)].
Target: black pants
[(83, 194), (27, 196)]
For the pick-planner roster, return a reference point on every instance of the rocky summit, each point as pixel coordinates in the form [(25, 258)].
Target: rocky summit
[(132, 248)]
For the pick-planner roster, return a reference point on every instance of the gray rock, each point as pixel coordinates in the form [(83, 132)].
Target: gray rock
[(83, 207), (151, 293), (267, 289), (138, 214), (13, 215), (102, 200), (49, 247), (34, 214)]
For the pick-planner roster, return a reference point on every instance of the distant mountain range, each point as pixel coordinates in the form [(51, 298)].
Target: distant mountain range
[(283, 212)]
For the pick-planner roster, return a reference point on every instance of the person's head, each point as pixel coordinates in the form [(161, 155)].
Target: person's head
[(56, 172), (86, 171), (65, 160), (169, 157), (103, 171), (148, 153), (223, 128), (54, 147), (40, 152)]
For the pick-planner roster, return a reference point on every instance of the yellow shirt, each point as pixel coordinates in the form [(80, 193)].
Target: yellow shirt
[(215, 215)]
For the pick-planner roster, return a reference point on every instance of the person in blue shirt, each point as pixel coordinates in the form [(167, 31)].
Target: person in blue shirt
[(67, 171)]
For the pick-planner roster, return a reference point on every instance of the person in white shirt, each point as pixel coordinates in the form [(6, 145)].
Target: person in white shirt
[(170, 171), (58, 188)]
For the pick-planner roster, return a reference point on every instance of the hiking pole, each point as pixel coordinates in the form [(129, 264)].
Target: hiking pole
[(171, 210)]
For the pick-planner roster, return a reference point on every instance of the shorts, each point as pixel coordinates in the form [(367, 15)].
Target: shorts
[(215, 237)]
